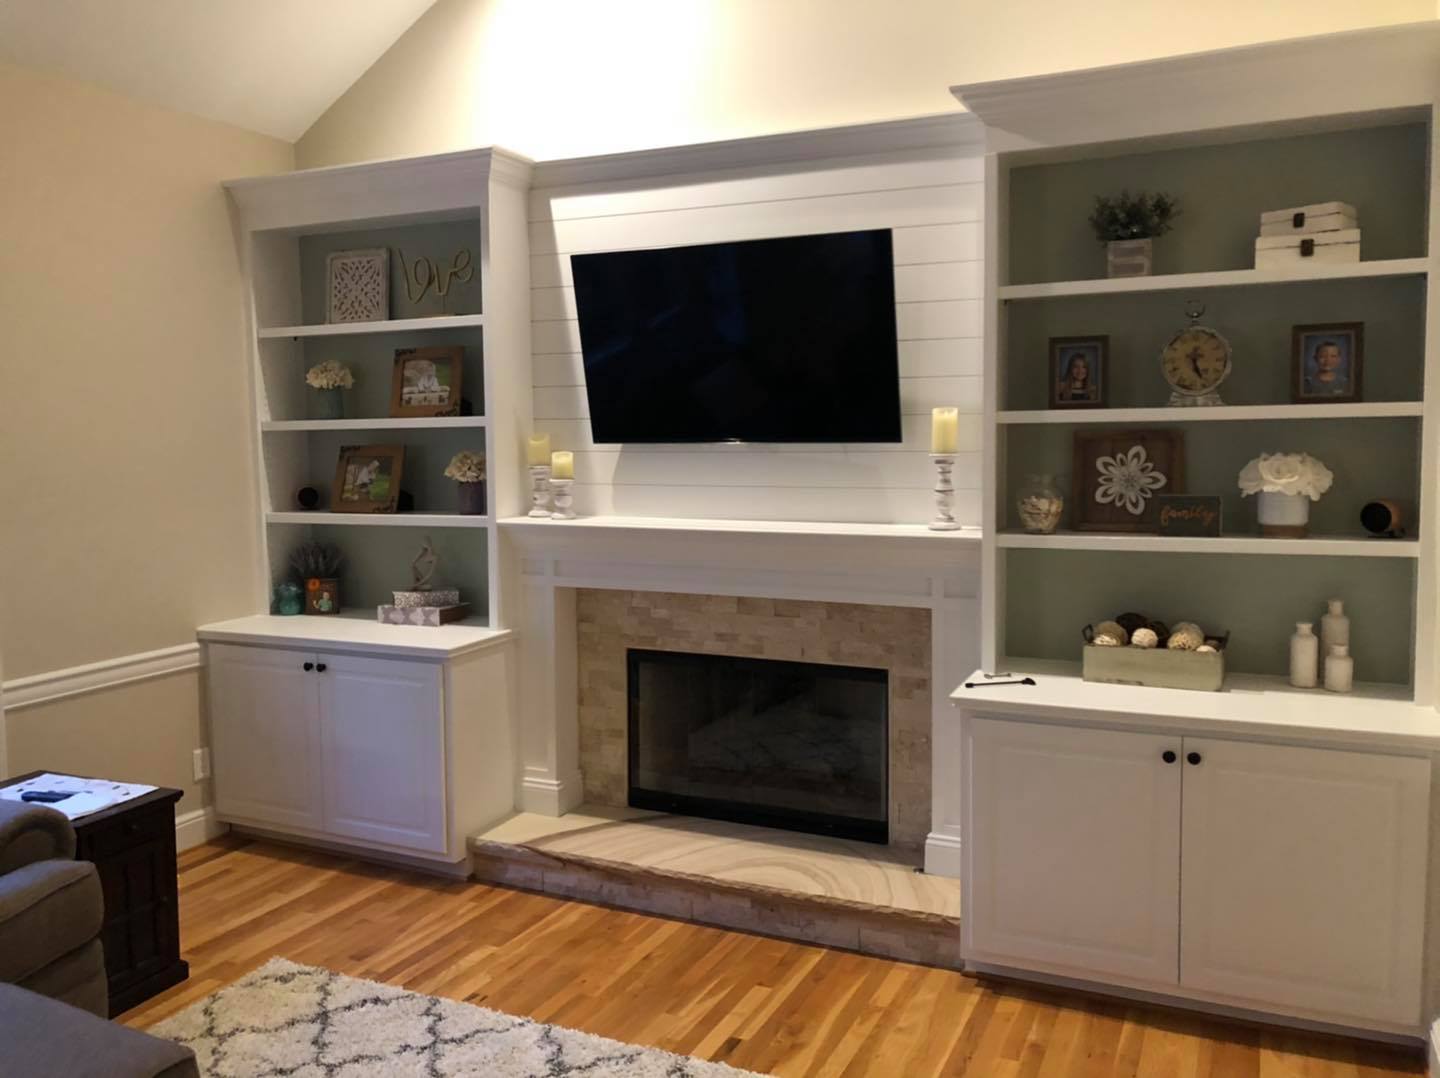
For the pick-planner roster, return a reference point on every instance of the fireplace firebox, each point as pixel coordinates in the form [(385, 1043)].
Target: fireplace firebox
[(800, 746)]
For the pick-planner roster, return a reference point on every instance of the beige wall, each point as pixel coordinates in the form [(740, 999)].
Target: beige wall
[(126, 496), (564, 78)]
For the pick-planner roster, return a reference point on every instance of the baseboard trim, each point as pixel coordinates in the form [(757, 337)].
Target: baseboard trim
[(942, 855), (548, 797), (196, 828), (93, 677), (1432, 1052)]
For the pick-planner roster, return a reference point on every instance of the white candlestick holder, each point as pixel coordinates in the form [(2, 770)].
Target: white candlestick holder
[(564, 501), (539, 490), (944, 494)]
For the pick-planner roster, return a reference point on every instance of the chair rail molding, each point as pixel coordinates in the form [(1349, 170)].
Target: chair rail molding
[(879, 565), (94, 677)]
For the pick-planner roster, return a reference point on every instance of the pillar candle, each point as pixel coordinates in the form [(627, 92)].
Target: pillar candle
[(562, 465), (945, 431), (538, 450)]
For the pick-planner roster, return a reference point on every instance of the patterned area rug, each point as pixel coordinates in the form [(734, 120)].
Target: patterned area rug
[(302, 1022)]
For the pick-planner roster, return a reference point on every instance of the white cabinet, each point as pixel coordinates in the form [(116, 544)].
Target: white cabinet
[(1073, 898), (1272, 877), (404, 755), (1304, 877)]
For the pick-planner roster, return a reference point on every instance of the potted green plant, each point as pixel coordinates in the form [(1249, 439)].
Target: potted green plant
[(318, 566), (1128, 224), (468, 471), (329, 379)]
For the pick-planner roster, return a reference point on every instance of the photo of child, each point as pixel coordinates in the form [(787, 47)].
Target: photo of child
[(1327, 363), (1077, 372)]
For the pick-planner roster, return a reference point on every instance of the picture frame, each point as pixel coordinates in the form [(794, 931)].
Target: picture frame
[(1116, 476), (1077, 371), (367, 479), (427, 382), (357, 285), (1327, 363)]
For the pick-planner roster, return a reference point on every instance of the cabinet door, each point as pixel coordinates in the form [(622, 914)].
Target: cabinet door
[(382, 728), (264, 729), (1304, 878), (1072, 851)]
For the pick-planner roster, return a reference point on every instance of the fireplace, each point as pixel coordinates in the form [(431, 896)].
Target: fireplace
[(794, 745)]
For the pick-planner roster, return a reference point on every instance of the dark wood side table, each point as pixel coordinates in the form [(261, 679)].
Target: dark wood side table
[(132, 846)]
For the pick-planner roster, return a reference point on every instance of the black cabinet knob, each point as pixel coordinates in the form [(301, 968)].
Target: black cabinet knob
[(1168, 756), (320, 667), (1194, 757), (308, 667)]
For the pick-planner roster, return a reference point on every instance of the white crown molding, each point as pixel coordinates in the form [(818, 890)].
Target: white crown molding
[(1386, 68), (93, 677), (953, 132)]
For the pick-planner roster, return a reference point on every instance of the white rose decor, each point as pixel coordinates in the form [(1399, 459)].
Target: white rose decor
[(1284, 485)]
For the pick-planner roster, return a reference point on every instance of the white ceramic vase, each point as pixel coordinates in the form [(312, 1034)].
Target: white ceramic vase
[(1304, 656), (1283, 516)]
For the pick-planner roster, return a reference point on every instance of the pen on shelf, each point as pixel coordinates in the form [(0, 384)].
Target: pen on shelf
[(996, 684)]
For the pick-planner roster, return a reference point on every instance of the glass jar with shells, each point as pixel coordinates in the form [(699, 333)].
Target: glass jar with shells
[(1039, 504)]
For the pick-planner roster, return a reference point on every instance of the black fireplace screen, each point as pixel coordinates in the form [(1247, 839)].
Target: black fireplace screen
[(801, 746)]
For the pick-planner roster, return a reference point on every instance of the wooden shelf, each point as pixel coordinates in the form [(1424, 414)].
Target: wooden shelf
[(1395, 267), (1231, 413), (380, 520), (393, 325), (434, 423), (1320, 545)]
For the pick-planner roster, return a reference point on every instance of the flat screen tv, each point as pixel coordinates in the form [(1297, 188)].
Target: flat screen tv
[(782, 340)]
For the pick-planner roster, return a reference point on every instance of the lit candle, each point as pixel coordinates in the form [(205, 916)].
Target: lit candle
[(945, 431), (562, 465), (538, 451)]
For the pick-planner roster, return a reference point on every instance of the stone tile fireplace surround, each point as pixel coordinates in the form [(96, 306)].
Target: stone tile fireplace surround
[(893, 638), (894, 596)]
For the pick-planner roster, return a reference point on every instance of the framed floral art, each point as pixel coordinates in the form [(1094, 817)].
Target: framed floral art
[(1117, 475)]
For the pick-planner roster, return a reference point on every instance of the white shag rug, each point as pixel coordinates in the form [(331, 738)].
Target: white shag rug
[(303, 1022)]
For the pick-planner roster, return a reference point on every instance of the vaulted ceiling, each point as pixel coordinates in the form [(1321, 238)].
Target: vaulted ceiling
[(267, 65)]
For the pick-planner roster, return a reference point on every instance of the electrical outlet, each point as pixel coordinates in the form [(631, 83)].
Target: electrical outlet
[(200, 764)]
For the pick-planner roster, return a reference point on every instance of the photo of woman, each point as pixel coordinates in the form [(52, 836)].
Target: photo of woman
[(1077, 372)]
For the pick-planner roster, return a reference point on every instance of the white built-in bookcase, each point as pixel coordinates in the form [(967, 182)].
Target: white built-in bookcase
[(1232, 134), (430, 206)]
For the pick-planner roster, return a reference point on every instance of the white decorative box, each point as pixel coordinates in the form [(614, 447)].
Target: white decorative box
[(1303, 220), (1286, 252), (428, 616), (433, 597)]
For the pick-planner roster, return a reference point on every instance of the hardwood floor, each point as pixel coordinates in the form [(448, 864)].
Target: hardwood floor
[(756, 1003)]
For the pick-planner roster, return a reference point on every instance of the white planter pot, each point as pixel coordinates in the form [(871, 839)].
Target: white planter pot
[(1282, 515)]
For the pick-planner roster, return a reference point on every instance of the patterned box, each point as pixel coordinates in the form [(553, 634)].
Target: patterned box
[(433, 597), (431, 616)]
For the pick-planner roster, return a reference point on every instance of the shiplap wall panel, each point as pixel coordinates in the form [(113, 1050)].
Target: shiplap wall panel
[(932, 203)]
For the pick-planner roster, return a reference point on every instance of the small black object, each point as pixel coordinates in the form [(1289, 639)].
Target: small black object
[(405, 503), (1307, 248), (993, 684), (308, 667), (45, 797), (320, 668), (307, 498), (1168, 756), (1383, 519), (1297, 220), (1193, 758)]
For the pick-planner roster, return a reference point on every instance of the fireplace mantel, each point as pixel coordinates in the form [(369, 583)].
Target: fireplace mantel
[(878, 564)]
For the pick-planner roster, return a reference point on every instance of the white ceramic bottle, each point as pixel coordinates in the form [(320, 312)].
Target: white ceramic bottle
[(1339, 669), (1334, 627), (1304, 656)]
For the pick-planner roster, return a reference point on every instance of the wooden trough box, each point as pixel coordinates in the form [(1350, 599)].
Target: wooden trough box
[(1160, 668)]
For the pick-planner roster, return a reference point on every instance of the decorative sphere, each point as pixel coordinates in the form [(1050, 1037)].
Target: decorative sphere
[(1186, 637), (1205, 649), (1105, 640), (1111, 628), (1144, 637)]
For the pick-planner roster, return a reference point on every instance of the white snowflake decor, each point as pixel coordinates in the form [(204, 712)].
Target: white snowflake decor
[(1128, 480)]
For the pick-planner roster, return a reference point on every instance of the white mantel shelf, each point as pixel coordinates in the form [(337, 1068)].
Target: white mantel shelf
[(539, 529), (356, 632), (1374, 716)]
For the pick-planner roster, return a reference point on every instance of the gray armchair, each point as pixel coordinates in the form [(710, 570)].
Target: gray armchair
[(50, 909)]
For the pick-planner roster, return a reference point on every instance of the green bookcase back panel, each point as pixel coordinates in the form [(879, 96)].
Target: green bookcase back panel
[(377, 561), (1370, 458), (438, 242), (1223, 189), (1257, 322), (371, 359), (1052, 594)]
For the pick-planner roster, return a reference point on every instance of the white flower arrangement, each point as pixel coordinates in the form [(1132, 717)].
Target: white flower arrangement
[(332, 374), (1285, 473), (466, 467)]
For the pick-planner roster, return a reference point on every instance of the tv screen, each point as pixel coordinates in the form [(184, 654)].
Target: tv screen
[(783, 340)]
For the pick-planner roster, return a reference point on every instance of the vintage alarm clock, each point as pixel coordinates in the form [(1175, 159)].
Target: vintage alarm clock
[(1195, 361)]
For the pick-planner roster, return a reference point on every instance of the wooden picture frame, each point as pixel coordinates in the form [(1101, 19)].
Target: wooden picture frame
[(358, 479), (427, 381), (1327, 363), (1068, 356), (1115, 472)]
